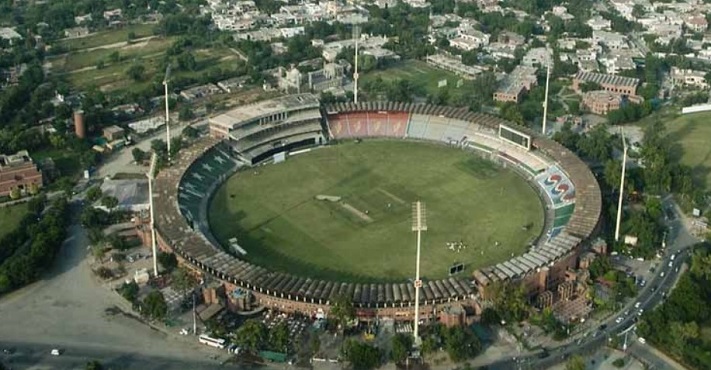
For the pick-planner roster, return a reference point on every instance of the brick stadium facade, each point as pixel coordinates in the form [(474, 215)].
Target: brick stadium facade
[(180, 193), (18, 171)]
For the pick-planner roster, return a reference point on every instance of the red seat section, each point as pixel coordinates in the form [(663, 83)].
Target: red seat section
[(368, 124)]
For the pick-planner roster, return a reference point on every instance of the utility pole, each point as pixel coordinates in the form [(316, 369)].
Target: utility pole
[(419, 224), (167, 109), (622, 186)]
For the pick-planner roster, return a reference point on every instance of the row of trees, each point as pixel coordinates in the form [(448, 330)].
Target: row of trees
[(30, 249)]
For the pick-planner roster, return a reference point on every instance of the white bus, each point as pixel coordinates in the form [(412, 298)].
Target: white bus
[(212, 342)]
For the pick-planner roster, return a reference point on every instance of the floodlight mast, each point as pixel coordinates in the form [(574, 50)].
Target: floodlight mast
[(151, 176), (356, 36), (419, 224), (167, 109), (622, 186), (545, 99)]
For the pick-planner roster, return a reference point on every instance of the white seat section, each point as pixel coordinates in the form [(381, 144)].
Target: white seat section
[(456, 130), (418, 126), (436, 128)]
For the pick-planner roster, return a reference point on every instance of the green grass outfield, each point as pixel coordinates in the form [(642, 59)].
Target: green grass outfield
[(10, 218), (692, 133), (273, 212)]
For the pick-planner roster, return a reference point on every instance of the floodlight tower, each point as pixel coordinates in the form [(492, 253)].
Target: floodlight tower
[(622, 186), (356, 36), (419, 224), (151, 176), (167, 109), (545, 98)]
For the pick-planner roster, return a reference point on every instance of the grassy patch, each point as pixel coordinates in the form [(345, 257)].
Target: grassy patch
[(284, 227), (421, 74), (108, 37), (691, 134), (10, 218)]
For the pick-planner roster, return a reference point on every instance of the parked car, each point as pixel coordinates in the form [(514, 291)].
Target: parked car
[(56, 352)]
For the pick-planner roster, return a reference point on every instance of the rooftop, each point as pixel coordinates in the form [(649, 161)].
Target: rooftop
[(604, 79), (243, 114), (16, 159)]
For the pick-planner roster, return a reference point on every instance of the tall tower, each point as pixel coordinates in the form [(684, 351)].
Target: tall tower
[(545, 98), (79, 125), (151, 176), (356, 37), (622, 186), (419, 224), (167, 109)]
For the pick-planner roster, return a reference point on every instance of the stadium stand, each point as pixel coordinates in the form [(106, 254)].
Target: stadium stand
[(260, 130), (254, 128), (368, 124)]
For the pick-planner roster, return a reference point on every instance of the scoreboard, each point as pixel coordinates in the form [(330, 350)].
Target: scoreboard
[(515, 137)]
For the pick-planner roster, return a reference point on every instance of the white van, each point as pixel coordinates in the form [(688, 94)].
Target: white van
[(642, 340), (55, 352)]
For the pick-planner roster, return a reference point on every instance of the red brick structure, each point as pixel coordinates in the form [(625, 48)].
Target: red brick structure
[(18, 171)]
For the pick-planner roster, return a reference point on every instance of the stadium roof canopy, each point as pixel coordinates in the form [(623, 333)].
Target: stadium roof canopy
[(248, 113)]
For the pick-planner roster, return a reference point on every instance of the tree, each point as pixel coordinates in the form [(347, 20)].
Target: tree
[(15, 193), (401, 344), (110, 202), (314, 344), (342, 310), (136, 72), (93, 194), (154, 305), (185, 113), (361, 356), (461, 343), (279, 337), (33, 189), (183, 280), (251, 335), (94, 365), (509, 301), (190, 132), (139, 155), (129, 291), (168, 261), (98, 251), (576, 362)]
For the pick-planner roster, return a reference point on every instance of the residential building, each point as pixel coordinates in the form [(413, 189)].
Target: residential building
[(332, 75), (199, 92), (9, 34), (516, 84), (18, 171), (537, 57), (598, 23), (76, 32), (697, 23), (113, 14), (689, 77), (612, 40), (112, 133), (611, 83), (454, 65)]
